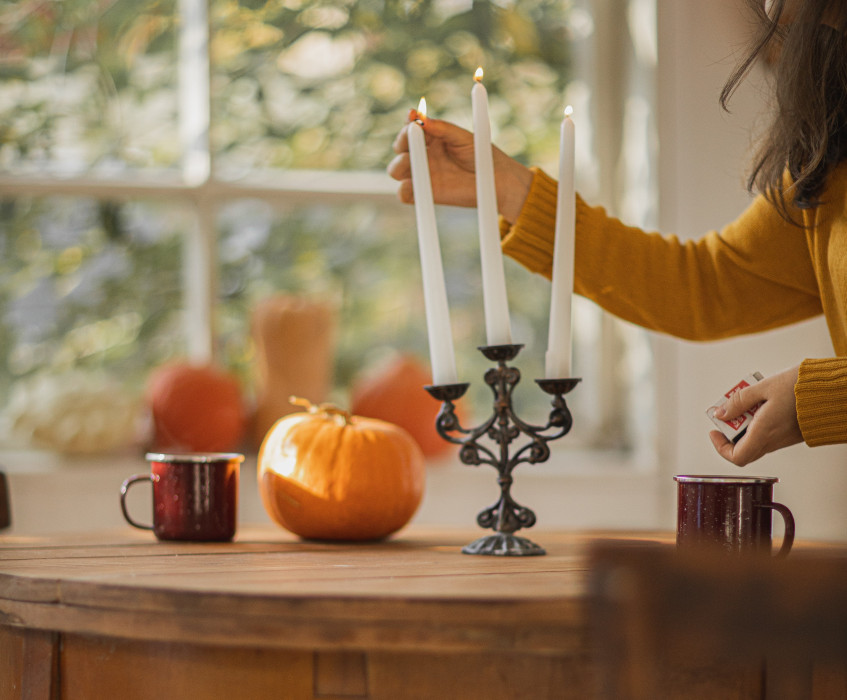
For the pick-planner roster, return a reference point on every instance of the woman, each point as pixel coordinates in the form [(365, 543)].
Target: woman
[(787, 252)]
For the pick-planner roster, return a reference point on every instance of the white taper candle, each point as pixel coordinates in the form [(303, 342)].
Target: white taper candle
[(495, 302), (441, 353), (559, 344)]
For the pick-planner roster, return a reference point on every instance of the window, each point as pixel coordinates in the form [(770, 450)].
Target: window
[(164, 165)]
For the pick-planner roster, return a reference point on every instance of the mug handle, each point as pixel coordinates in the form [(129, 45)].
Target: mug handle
[(125, 487), (788, 538)]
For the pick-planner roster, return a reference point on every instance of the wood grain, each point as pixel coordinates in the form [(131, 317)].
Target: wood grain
[(270, 616), (416, 592), (108, 668), (40, 679), (11, 662)]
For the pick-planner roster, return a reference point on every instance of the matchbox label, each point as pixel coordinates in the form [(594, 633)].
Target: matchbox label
[(738, 387), (736, 423), (734, 429)]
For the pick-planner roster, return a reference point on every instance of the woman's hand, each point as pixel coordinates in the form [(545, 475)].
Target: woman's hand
[(773, 427), (450, 151)]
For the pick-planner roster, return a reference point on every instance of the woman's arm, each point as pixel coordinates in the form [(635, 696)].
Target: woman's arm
[(755, 274)]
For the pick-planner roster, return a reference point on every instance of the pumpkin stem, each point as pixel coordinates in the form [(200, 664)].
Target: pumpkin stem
[(325, 408)]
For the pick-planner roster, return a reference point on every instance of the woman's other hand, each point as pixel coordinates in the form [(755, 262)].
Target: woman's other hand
[(450, 151), (774, 425)]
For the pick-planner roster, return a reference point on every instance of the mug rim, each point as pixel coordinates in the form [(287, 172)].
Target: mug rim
[(722, 479), (194, 457)]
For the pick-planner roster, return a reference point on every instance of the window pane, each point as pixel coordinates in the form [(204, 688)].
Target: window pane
[(88, 286), (365, 259), (87, 85), (326, 84), (295, 84)]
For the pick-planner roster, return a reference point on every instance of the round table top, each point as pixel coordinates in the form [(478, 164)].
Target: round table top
[(267, 588)]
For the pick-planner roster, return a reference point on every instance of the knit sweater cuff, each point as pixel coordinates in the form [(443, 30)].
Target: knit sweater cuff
[(821, 396), (530, 239)]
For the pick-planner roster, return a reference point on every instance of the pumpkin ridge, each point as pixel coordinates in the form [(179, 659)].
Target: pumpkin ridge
[(321, 447), (337, 488)]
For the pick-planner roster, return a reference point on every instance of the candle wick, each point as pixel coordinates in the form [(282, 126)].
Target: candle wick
[(419, 121)]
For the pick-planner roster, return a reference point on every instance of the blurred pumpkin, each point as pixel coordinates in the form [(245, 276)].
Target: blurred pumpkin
[(325, 474), (395, 393), (196, 408)]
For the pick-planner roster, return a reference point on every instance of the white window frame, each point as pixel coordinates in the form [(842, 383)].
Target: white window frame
[(197, 187), (201, 191)]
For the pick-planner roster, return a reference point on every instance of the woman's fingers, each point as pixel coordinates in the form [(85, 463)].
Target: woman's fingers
[(400, 167)]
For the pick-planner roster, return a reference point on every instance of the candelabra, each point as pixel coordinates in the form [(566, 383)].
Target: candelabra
[(502, 428)]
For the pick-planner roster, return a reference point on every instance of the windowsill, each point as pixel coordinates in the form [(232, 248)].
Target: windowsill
[(577, 489), (29, 461)]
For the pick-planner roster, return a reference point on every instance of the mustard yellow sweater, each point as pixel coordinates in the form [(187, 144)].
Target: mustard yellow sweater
[(756, 274)]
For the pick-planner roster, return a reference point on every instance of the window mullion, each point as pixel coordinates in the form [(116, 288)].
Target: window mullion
[(200, 280), (194, 77), (199, 272)]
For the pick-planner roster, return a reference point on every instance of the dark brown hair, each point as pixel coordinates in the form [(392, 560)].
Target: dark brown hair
[(808, 136)]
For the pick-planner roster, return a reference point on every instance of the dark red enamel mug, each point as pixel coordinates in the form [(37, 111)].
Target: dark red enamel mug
[(195, 496), (731, 513)]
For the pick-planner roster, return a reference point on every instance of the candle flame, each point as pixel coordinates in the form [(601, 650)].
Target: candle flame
[(422, 107), (568, 111), (478, 75)]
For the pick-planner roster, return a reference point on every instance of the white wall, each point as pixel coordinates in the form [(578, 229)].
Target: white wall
[(704, 154)]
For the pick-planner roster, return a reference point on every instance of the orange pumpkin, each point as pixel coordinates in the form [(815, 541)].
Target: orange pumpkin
[(325, 474), (396, 394), (196, 408)]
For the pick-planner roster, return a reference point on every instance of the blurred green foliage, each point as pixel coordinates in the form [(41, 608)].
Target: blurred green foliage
[(365, 262), (89, 284), (325, 84), (295, 84), (92, 85), (88, 83)]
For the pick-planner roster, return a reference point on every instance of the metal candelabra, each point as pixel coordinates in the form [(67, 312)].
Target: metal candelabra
[(506, 516)]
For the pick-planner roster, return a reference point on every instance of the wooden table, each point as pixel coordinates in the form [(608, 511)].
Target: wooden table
[(269, 616), (122, 616)]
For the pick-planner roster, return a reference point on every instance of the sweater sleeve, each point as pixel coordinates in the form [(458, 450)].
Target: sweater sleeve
[(821, 396), (754, 275)]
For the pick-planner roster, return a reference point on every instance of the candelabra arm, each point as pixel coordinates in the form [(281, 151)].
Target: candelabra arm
[(450, 428), (537, 450)]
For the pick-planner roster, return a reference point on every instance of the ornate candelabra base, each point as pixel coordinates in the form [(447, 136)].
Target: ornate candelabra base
[(502, 544), (500, 430)]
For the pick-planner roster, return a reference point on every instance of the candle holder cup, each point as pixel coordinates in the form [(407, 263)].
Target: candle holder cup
[(500, 430)]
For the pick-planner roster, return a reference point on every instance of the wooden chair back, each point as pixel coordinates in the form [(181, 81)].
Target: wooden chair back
[(668, 623)]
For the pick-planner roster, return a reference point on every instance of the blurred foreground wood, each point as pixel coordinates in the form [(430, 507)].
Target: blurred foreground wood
[(663, 617)]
